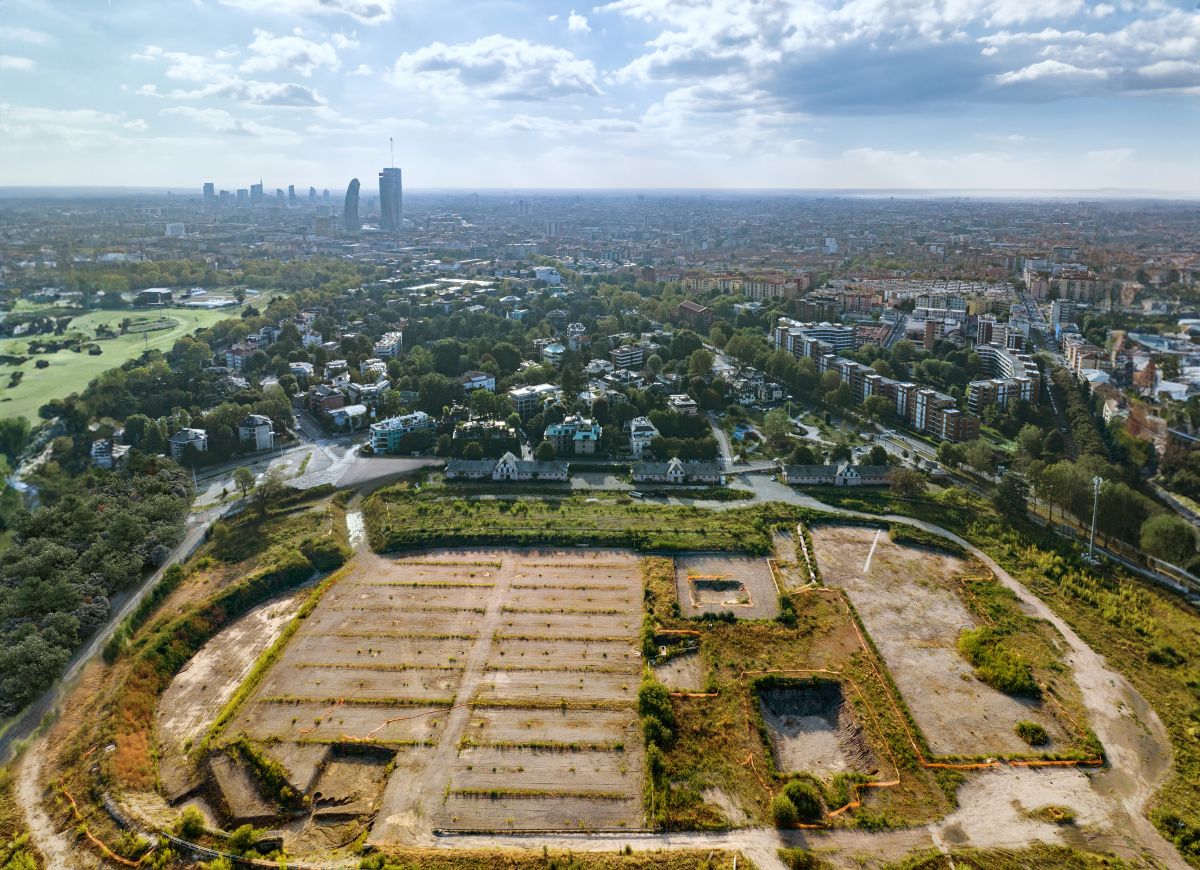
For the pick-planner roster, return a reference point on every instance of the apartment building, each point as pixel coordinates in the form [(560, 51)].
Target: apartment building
[(925, 409), (576, 435), (390, 345), (529, 400), (386, 434), (627, 356)]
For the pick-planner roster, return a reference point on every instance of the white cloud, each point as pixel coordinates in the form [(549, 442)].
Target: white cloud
[(221, 121), (254, 92), (366, 11), (362, 70), (1049, 69), (269, 52), (577, 23), (552, 18), (24, 34), (1102, 10), (559, 127), (74, 128), (496, 67), (137, 125), (341, 40), (12, 62)]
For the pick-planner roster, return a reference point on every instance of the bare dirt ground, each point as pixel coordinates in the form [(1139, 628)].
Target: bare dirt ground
[(501, 684), (741, 585), (907, 601), (683, 673), (208, 680)]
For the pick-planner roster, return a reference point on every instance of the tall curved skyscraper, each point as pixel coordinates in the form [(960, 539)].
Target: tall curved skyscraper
[(350, 215), (390, 200)]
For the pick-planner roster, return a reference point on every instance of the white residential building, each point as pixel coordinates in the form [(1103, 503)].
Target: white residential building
[(641, 433), (257, 429)]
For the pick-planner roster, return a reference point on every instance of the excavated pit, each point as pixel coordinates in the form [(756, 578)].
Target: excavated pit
[(813, 729)]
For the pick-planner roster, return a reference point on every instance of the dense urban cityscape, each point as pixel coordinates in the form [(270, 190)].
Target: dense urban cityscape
[(658, 435)]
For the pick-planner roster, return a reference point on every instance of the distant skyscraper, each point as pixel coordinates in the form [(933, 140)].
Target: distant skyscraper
[(291, 196), (312, 194), (325, 194), (353, 224), (256, 194), (390, 200), (243, 197), (280, 197), (210, 191)]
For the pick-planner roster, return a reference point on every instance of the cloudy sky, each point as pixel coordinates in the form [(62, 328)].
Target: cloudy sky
[(966, 94)]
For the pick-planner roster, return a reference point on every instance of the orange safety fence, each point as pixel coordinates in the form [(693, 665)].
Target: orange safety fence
[(96, 841), (388, 722), (324, 713)]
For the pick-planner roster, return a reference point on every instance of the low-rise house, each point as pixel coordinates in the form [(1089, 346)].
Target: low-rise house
[(810, 475), (324, 398), (682, 403), (477, 381), (862, 475), (506, 468), (352, 417), (197, 439), (256, 430), (676, 472), (387, 434), (301, 369), (843, 474)]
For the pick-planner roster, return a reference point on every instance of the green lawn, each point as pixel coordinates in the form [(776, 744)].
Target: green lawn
[(70, 372)]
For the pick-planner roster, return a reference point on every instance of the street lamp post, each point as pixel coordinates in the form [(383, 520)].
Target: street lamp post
[(1097, 482)]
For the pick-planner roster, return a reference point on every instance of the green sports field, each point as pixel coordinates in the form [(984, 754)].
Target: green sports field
[(69, 372)]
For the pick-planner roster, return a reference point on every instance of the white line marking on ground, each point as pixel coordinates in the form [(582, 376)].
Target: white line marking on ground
[(867, 564)]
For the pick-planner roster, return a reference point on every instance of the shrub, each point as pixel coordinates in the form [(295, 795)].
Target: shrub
[(1166, 655), (795, 858), (1032, 733), (787, 610), (241, 840), (783, 811), (191, 824), (325, 553), (805, 798), (995, 665), (656, 733)]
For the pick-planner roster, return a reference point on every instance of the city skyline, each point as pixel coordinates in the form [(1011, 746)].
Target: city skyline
[(803, 95)]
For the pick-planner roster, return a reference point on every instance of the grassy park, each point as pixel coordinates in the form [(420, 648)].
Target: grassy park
[(70, 371)]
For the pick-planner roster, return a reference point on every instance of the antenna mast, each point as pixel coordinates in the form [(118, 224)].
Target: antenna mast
[(392, 151)]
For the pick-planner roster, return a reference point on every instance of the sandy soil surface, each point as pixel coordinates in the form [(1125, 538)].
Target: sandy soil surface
[(683, 673), (208, 680), (905, 598), (705, 585)]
